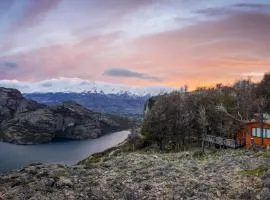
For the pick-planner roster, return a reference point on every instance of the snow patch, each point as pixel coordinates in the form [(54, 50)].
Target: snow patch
[(77, 85)]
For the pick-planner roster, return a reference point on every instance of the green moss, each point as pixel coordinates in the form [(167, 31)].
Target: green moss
[(90, 160), (96, 157), (263, 154), (61, 173), (198, 154), (259, 171)]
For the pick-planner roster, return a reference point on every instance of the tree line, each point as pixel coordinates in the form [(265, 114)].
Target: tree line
[(178, 120)]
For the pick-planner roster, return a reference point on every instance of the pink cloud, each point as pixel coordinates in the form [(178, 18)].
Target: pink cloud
[(204, 53), (212, 51)]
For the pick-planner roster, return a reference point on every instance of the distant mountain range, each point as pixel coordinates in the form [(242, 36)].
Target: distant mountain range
[(77, 85), (109, 98), (122, 104)]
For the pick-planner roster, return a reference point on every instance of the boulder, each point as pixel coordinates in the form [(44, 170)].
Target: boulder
[(64, 182)]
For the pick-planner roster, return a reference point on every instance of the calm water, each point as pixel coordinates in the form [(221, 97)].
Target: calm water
[(64, 152)]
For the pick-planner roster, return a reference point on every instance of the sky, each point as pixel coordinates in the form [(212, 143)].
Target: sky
[(134, 42)]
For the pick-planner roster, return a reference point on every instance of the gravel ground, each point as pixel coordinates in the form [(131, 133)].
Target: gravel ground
[(223, 174)]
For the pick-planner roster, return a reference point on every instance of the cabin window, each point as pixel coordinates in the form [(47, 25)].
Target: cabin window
[(267, 133), (256, 132)]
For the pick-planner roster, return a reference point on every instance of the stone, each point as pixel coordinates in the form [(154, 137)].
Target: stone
[(265, 194), (266, 183), (64, 182), (218, 193)]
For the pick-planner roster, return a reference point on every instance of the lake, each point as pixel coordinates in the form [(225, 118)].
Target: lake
[(64, 152)]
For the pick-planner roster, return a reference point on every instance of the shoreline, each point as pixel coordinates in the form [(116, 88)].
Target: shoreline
[(64, 152)]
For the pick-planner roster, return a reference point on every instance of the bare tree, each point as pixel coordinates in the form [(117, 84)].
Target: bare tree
[(202, 120), (245, 94), (222, 109), (261, 102)]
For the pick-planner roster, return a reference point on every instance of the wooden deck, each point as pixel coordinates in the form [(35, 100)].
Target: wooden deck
[(225, 142)]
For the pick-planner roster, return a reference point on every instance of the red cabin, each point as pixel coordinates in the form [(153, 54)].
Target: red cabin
[(243, 137), (253, 129)]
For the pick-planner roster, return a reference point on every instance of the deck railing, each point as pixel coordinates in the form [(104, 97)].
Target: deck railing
[(224, 141)]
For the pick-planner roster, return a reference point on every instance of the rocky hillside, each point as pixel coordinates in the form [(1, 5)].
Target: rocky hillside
[(28, 122), (224, 174)]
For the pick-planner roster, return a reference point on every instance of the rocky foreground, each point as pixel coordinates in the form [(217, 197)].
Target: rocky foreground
[(225, 174)]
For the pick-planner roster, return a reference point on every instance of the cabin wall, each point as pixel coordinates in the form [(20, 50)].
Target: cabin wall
[(257, 140), (241, 135)]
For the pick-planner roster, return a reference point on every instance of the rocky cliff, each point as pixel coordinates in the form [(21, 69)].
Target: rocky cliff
[(28, 122)]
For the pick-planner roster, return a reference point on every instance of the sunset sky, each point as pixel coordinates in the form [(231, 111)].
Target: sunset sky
[(135, 42)]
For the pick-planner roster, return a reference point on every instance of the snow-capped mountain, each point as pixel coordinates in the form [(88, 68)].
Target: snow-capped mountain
[(98, 96), (76, 85)]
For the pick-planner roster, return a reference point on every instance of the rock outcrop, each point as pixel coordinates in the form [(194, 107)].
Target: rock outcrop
[(28, 122), (12, 102)]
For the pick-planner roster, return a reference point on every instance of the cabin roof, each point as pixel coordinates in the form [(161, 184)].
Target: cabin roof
[(266, 119)]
